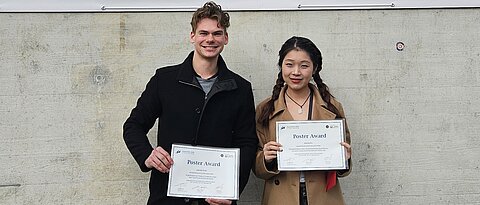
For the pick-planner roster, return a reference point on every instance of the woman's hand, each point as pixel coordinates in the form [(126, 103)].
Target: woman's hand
[(270, 150), (348, 155)]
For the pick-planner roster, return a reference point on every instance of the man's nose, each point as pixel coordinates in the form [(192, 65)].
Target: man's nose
[(210, 37)]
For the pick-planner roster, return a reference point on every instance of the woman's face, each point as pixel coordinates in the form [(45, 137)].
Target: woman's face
[(297, 70)]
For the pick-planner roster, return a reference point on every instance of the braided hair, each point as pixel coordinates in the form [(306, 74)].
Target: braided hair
[(305, 44)]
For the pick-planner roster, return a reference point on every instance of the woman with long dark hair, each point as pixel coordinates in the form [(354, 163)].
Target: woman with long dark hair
[(299, 61)]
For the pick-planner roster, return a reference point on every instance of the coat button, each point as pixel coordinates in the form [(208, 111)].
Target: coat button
[(277, 182), (197, 110)]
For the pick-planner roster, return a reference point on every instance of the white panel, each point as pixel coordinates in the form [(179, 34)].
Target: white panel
[(245, 5)]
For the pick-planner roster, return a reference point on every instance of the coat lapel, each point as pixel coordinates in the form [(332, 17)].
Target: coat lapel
[(280, 107), (320, 111)]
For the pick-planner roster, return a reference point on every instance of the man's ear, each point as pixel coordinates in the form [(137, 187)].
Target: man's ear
[(192, 35), (226, 38)]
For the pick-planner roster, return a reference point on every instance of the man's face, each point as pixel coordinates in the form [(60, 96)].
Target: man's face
[(208, 38)]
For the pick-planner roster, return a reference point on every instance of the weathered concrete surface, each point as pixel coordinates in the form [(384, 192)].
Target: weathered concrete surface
[(68, 82)]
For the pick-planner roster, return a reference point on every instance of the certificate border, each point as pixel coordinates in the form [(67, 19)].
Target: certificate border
[(340, 122), (236, 151)]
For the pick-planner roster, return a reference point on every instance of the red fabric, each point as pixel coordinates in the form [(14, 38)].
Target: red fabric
[(331, 179)]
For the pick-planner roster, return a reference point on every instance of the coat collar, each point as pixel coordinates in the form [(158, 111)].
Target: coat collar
[(320, 110), (225, 80)]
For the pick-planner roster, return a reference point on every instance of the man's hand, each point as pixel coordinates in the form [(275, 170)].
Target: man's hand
[(160, 160), (218, 201)]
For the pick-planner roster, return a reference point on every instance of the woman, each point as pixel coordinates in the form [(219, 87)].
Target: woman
[(300, 61)]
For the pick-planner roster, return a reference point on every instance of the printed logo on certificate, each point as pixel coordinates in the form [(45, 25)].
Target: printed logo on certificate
[(204, 172), (311, 145)]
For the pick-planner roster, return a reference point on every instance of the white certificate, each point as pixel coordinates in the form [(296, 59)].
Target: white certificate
[(311, 145), (204, 172)]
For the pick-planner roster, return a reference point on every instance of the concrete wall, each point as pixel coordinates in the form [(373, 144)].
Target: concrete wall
[(69, 80)]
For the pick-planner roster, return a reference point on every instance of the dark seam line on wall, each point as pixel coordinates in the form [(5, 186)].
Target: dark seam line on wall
[(10, 185)]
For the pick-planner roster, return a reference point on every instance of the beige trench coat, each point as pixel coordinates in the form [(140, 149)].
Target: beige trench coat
[(282, 188)]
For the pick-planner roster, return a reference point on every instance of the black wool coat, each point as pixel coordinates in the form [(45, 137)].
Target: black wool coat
[(223, 118)]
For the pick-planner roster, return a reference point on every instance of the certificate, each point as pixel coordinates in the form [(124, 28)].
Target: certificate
[(311, 145), (204, 172)]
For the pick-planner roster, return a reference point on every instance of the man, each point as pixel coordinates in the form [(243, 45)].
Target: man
[(198, 102)]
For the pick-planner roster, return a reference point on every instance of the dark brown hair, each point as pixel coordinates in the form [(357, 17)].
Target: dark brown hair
[(213, 11), (305, 44)]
